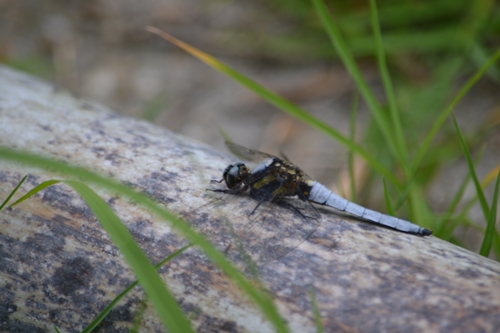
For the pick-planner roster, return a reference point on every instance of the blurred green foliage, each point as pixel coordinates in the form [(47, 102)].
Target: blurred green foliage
[(422, 27), (428, 47)]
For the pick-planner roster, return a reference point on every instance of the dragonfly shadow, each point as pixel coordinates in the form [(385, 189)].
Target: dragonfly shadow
[(252, 239)]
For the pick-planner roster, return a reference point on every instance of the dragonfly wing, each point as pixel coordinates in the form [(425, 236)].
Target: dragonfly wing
[(246, 153)]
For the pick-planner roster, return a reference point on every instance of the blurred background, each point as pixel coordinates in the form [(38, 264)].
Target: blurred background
[(98, 49)]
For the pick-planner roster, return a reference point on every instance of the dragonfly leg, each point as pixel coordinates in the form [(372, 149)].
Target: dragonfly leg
[(258, 205), (228, 191)]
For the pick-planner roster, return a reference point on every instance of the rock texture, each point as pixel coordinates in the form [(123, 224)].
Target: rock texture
[(58, 267)]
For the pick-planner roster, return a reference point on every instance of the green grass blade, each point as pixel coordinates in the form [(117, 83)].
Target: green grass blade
[(165, 304), (490, 176), (317, 316), (472, 171), (445, 232), (100, 317), (479, 190), (490, 227), (405, 192), (260, 298), (388, 205), (389, 90), (348, 60), (352, 137), (280, 102), (35, 191), (479, 55), (12, 192), (462, 215), (421, 213), (446, 112), (57, 330), (496, 244)]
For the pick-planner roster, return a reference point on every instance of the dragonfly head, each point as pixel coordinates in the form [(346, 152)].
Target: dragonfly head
[(235, 173)]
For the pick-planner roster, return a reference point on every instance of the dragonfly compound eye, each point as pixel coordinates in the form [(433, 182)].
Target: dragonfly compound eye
[(235, 173)]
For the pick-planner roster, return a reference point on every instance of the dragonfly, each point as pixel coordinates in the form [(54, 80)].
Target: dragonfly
[(284, 214), (275, 179)]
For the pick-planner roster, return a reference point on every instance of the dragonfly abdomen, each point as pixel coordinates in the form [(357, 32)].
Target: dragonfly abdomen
[(323, 196)]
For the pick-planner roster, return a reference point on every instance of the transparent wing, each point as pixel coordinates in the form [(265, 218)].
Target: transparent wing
[(253, 155), (247, 153)]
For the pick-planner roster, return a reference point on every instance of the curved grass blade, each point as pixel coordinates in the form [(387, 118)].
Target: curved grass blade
[(421, 213), (405, 192), (12, 193), (100, 317), (465, 211), (490, 227), (352, 136), (479, 55), (472, 171), (479, 191), (446, 112), (445, 231), (280, 102), (258, 296), (35, 190), (348, 60), (389, 90), (388, 204), (490, 176), (165, 304)]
